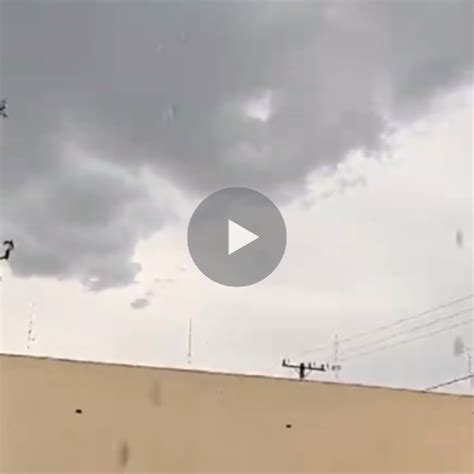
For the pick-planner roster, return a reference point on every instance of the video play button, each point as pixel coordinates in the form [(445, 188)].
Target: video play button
[(236, 237)]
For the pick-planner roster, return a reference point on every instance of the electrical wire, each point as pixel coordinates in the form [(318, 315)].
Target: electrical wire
[(408, 318), (406, 331), (406, 341), (327, 347), (450, 382)]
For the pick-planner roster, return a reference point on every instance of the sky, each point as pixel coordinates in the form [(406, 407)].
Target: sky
[(355, 118)]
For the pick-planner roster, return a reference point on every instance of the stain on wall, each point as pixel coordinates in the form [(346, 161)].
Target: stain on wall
[(155, 393), (124, 454)]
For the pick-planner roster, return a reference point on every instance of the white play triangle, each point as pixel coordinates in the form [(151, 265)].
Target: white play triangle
[(239, 237)]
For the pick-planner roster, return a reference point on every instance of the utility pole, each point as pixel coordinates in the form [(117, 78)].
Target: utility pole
[(303, 369)]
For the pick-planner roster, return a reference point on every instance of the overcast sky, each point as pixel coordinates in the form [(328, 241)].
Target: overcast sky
[(354, 117)]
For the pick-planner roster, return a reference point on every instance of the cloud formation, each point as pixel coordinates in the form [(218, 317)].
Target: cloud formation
[(166, 86), (139, 303)]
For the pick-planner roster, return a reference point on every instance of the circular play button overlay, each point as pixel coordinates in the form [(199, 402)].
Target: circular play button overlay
[(236, 237)]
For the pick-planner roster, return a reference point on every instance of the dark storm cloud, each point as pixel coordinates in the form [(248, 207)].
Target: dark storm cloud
[(162, 85)]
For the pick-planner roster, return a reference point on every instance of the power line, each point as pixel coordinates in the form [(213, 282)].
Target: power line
[(406, 341), (323, 348), (407, 331), (450, 382), (409, 318), (326, 348)]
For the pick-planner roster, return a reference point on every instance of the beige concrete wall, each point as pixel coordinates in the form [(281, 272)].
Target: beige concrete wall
[(156, 420)]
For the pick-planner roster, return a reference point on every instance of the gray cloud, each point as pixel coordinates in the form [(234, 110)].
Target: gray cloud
[(82, 223), (161, 86), (165, 281), (140, 303)]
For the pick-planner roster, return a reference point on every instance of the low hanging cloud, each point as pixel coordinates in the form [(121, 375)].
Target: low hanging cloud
[(167, 87), (140, 303)]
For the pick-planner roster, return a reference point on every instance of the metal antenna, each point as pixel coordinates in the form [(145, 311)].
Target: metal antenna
[(461, 349), (336, 367), (190, 340), (31, 337)]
